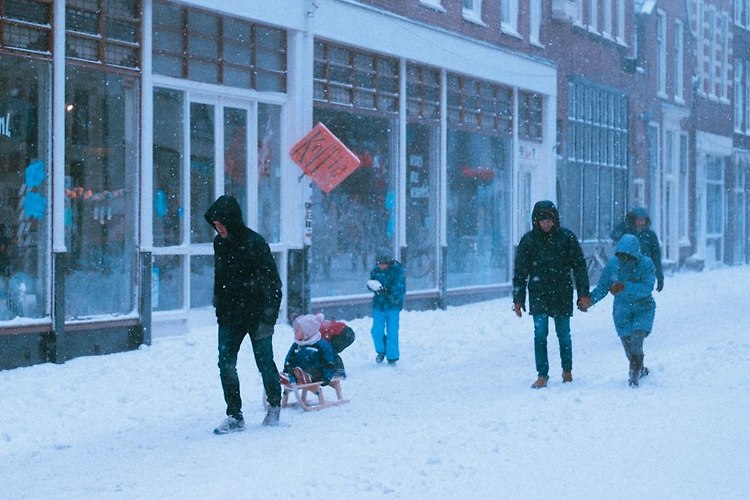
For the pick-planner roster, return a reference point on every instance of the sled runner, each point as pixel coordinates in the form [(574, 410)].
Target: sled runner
[(301, 391)]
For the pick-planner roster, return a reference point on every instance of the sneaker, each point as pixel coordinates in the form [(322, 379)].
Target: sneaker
[(644, 372), (379, 358), (567, 376), (540, 382), (230, 424), (272, 416)]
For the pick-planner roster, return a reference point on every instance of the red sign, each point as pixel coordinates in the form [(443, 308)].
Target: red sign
[(323, 157)]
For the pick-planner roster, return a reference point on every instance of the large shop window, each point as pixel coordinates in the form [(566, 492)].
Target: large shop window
[(100, 188), (422, 174), (24, 188), (594, 187), (479, 163), (358, 218)]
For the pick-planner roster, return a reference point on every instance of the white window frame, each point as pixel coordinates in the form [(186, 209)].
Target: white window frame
[(509, 17), (593, 16), (739, 97), (712, 43), (620, 35), (607, 20), (433, 4), (679, 57), (535, 22), (747, 97), (670, 195), (724, 20), (683, 166), (473, 12), (661, 53)]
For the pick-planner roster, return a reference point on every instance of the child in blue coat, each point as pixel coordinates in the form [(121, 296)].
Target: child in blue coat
[(629, 276), (310, 358), (388, 284)]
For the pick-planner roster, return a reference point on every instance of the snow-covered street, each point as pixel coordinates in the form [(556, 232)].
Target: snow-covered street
[(454, 419)]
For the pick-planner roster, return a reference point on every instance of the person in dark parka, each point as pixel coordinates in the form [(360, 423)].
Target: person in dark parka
[(544, 260), (247, 296), (638, 223)]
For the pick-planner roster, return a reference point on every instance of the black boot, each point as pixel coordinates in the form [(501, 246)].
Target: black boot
[(633, 372), (636, 364), (644, 370)]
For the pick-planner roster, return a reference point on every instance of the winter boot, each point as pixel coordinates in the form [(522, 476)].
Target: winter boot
[(540, 382), (636, 364), (230, 424), (644, 370), (272, 416), (379, 358), (567, 376)]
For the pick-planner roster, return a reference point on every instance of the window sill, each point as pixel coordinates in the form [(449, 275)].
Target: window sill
[(471, 16), (432, 4)]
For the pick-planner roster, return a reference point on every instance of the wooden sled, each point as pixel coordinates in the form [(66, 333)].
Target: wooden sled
[(301, 391)]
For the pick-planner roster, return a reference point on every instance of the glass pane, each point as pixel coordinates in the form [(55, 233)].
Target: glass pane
[(167, 283), (100, 182), (478, 220), (421, 207), (269, 172), (202, 192), (201, 280), (24, 189), (168, 179), (235, 155), (359, 216)]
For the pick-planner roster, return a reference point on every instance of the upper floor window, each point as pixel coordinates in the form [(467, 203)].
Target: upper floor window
[(509, 15), (594, 15), (679, 60), (739, 95), (472, 11), (26, 25), (661, 53), (434, 4), (104, 32), (535, 21), (206, 47), (742, 13), (620, 33)]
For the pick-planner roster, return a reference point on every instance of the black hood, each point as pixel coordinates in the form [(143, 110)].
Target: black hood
[(227, 211), (545, 207), (638, 213)]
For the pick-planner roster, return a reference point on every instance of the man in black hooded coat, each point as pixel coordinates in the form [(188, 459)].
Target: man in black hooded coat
[(247, 296), (545, 257)]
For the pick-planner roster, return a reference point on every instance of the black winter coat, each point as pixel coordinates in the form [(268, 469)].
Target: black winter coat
[(247, 287), (544, 261)]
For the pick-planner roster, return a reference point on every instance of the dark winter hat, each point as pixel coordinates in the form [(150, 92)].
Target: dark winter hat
[(384, 256)]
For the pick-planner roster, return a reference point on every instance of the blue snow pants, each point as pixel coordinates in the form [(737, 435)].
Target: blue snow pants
[(385, 332)]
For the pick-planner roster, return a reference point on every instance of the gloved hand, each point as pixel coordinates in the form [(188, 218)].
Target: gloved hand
[(383, 291), (264, 331), (660, 285), (617, 287), (517, 307), (584, 303)]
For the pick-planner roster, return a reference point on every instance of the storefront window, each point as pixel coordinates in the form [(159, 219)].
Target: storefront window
[(24, 192), (421, 205), (201, 280), (478, 221), (167, 282), (202, 183), (100, 187), (168, 153), (358, 217), (235, 155), (269, 172)]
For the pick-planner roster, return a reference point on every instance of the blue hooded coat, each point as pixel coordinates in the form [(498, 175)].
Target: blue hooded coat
[(634, 307)]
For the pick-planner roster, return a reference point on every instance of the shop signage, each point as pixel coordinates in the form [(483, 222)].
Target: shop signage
[(324, 158)]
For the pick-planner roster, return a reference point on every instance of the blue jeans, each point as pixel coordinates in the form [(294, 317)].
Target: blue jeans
[(541, 330), (385, 332), (230, 340)]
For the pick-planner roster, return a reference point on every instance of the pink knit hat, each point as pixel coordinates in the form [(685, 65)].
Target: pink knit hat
[(308, 324)]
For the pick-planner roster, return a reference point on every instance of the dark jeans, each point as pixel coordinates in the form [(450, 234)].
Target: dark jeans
[(541, 330), (230, 340)]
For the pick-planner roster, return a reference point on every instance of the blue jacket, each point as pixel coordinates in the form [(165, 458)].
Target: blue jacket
[(634, 307), (394, 286), (317, 359)]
